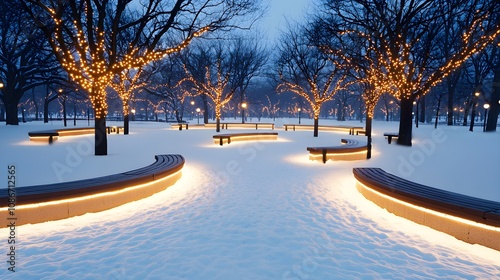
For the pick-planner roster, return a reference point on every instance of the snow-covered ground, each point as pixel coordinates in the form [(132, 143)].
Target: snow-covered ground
[(250, 210)]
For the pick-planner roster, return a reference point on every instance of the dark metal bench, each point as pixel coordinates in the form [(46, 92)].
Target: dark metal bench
[(227, 138), (348, 146), (391, 135), (472, 209), (164, 166)]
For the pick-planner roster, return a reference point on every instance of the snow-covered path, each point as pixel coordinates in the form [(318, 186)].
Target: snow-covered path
[(242, 211)]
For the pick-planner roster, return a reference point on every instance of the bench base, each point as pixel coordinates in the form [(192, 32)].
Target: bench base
[(462, 229), (222, 139), (345, 156)]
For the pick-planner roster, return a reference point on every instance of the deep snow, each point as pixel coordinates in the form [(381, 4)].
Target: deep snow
[(251, 210)]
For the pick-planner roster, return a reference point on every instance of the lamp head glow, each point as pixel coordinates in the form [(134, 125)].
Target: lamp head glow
[(133, 111), (486, 106), (192, 102), (198, 110), (243, 105), (476, 94), (299, 109), (1, 86)]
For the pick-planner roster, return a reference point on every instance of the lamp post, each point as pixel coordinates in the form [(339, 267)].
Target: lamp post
[(300, 111), (198, 113), (64, 105), (133, 114), (486, 106), (243, 106)]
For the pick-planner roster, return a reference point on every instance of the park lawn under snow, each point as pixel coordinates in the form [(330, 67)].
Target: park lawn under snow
[(251, 210)]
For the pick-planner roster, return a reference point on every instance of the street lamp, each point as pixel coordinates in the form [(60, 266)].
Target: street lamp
[(1, 85), (486, 106), (300, 111), (133, 114), (198, 113), (243, 107)]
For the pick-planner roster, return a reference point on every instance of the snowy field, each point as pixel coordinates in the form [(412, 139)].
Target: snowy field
[(251, 210)]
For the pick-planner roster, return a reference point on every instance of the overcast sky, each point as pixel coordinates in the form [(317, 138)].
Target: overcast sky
[(274, 20)]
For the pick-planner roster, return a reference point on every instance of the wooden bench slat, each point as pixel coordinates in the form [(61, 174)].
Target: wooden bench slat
[(476, 209), (163, 166), (253, 135), (348, 146)]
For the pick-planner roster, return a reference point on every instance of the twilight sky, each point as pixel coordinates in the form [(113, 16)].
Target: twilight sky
[(274, 20)]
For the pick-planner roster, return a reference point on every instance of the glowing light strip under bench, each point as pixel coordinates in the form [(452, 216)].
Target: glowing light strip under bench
[(228, 138), (37, 204), (464, 223), (350, 150)]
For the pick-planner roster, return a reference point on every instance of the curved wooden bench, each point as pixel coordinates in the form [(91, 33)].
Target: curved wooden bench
[(470, 219), (350, 150), (35, 204), (227, 138)]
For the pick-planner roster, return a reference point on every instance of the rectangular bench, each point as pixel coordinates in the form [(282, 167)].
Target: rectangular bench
[(351, 129), (52, 135), (227, 125), (436, 208), (391, 135), (349, 150), (227, 138), (114, 129), (180, 126)]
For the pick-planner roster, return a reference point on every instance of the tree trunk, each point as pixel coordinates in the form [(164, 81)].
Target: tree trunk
[(368, 130), (405, 122), (218, 110), (451, 95), (494, 110), (35, 103), (205, 108), (422, 108), (437, 113), (416, 112), (466, 112), (2, 112), (316, 124), (126, 122), (11, 114), (45, 111), (472, 116), (101, 140)]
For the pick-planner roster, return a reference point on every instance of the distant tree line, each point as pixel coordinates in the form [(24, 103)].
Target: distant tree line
[(408, 61)]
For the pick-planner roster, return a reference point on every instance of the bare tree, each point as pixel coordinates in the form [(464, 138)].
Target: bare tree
[(405, 37), (26, 61), (95, 40), (210, 71), (306, 71)]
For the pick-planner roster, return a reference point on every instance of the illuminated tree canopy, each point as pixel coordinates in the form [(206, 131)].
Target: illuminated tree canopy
[(95, 40)]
